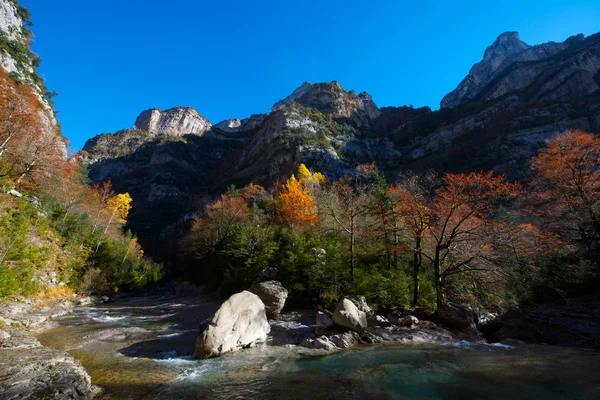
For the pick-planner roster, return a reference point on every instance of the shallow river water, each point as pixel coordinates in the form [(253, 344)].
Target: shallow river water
[(142, 349)]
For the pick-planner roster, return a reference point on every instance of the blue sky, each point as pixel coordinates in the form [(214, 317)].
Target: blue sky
[(111, 59)]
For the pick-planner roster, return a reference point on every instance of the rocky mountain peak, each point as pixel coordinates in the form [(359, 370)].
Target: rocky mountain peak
[(509, 66), (506, 44), (330, 98), (296, 94), (176, 121)]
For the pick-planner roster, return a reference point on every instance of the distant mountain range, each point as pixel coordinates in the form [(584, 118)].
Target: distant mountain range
[(503, 111)]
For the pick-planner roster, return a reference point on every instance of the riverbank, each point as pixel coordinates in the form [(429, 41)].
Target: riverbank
[(30, 370)]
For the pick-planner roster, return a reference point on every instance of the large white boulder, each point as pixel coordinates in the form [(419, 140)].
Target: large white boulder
[(240, 322), (347, 315), (272, 294)]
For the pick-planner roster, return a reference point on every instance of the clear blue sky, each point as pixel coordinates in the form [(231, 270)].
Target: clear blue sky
[(111, 59)]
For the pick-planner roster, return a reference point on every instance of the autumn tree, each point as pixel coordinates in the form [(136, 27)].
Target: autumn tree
[(349, 206), (303, 172), (412, 202), (566, 188), (296, 206), (221, 218), (459, 228), (29, 148)]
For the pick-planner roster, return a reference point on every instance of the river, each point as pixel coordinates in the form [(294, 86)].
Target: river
[(141, 348)]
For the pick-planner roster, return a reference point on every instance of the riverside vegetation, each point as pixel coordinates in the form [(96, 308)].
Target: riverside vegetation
[(57, 233), (425, 239)]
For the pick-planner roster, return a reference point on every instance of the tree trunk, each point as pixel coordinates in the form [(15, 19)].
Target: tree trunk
[(352, 253), (438, 279), (416, 269)]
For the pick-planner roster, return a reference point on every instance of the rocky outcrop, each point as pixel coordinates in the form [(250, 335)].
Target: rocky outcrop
[(235, 125), (272, 294), (347, 315), (43, 373), (10, 22), (29, 370), (551, 71), (332, 99), (176, 121), (240, 322)]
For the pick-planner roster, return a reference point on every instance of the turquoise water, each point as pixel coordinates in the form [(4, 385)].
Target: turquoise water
[(452, 371), (159, 365)]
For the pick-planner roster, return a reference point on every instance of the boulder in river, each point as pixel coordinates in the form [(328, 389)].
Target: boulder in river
[(240, 322), (347, 315), (457, 316), (320, 343), (272, 294), (361, 303), (345, 340)]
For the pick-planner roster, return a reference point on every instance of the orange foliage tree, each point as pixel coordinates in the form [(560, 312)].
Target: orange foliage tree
[(296, 206), (414, 216), (566, 185), (29, 150), (461, 222)]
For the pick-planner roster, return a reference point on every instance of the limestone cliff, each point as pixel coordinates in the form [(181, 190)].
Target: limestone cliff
[(16, 56), (551, 71), (176, 121)]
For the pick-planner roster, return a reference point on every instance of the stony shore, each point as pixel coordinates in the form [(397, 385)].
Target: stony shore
[(29, 370)]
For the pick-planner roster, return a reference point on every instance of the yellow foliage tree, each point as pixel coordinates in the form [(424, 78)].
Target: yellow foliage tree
[(118, 207), (303, 172), (296, 206), (319, 178)]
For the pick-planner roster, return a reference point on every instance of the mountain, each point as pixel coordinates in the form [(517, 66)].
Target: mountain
[(551, 71), (503, 111)]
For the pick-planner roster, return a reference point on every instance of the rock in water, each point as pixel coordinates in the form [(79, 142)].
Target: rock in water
[(272, 294), (320, 343), (457, 316), (240, 322), (345, 340), (347, 315)]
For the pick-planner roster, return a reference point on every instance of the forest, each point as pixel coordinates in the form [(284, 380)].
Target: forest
[(422, 241)]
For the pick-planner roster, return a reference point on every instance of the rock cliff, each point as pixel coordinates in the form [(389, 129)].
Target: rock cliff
[(176, 121), (551, 71)]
